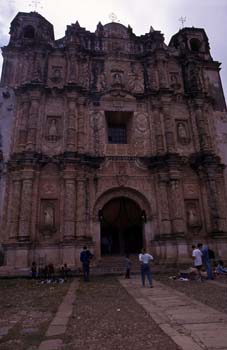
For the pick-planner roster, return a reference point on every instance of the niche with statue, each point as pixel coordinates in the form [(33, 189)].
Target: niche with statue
[(53, 130), (183, 133), (193, 215), (48, 217)]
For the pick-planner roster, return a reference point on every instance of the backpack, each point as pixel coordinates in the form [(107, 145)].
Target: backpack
[(211, 254)]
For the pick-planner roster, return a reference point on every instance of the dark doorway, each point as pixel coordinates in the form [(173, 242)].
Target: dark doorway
[(121, 227)]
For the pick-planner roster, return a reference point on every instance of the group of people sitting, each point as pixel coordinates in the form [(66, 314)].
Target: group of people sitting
[(204, 267), (48, 274)]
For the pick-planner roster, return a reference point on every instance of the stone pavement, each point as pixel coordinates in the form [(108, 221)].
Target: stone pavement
[(191, 324), (58, 325)]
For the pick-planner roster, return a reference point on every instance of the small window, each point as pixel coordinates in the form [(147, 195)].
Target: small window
[(117, 134), (195, 45), (118, 127), (29, 32)]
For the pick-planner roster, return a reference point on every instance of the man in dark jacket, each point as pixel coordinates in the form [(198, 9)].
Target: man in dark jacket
[(85, 258), (206, 260)]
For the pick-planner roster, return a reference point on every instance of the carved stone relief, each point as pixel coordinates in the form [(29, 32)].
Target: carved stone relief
[(73, 68), (37, 74), (56, 74), (142, 124), (142, 130), (117, 79), (175, 81), (135, 79), (84, 75), (101, 82), (194, 77), (97, 129), (153, 79), (122, 176), (190, 189)]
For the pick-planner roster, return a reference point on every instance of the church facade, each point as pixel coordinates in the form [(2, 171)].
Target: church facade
[(113, 142)]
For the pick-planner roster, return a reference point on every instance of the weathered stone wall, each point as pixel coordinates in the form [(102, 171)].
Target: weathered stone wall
[(63, 165)]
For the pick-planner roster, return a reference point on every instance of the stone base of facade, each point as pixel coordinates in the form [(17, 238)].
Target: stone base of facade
[(21, 255), (178, 251), (167, 251)]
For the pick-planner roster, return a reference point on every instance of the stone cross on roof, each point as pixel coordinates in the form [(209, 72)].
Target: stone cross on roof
[(35, 4), (182, 20)]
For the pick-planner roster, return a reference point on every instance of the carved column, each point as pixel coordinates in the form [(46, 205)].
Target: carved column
[(26, 207), (222, 202), (80, 131), (14, 206), (215, 202), (81, 207), (69, 205), (158, 129), (71, 128), (33, 118), (164, 205), (177, 204), (22, 135), (169, 128), (72, 71), (162, 72), (202, 127)]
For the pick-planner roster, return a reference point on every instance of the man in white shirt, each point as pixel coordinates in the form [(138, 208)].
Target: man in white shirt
[(145, 259), (197, 257)]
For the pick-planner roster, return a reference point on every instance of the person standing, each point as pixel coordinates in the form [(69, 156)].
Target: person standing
[(85, 258), (128, 265), (197, 257), (145, 260), (34, 269), (206, 260)]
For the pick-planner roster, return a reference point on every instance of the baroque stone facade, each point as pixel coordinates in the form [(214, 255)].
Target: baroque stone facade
[(114, 144)]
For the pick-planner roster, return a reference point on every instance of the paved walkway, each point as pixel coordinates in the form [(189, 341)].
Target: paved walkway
[(191, 324), (60, 321)]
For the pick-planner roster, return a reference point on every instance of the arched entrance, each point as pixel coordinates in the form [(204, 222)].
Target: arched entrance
[(121, 223)]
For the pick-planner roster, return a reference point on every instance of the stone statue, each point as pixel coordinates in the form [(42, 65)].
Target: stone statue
[(49, 216), (117, 79), (195, 77), (53, 132), (192, 217), (182, 133), (101, 83)]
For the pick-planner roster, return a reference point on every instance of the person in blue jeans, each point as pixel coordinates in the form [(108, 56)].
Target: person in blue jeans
[(145, 259), (206, 260), (85, 258)]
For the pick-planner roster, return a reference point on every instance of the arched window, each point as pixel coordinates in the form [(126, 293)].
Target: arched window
[(195, 45), (29, 32)]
